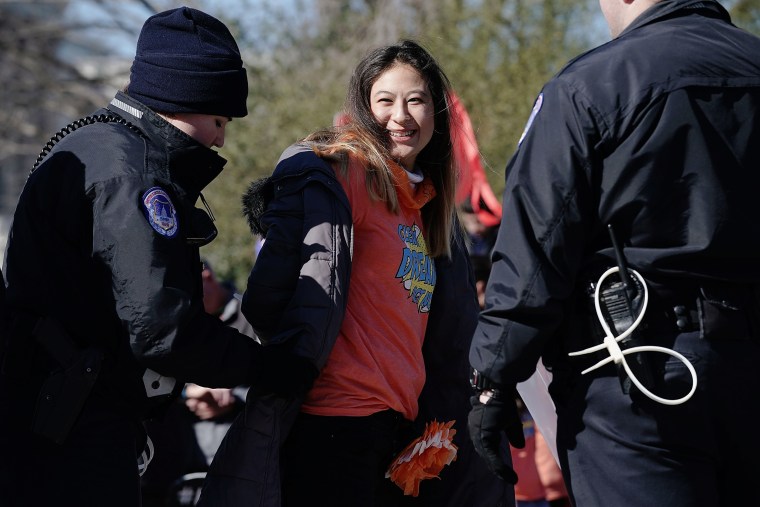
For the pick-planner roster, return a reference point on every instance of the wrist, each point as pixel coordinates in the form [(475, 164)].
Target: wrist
[(480, 382), (484, 387), (486, 395)]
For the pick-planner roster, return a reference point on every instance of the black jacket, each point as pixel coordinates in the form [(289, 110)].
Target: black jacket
[(86, 250), (306, 216), (305, 308), (296, 294), (655, 133)]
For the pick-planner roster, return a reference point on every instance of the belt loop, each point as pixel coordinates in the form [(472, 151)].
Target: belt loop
[(701, 317)]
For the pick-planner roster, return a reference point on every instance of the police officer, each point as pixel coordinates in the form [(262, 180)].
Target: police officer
[(103, 272), (653, 136)]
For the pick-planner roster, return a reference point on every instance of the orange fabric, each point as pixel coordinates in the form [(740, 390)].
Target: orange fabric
[(424, 458), (411, 198), (529, 485), (377, 362)]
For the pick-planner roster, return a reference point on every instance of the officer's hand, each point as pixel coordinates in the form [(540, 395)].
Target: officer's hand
[(279, 371), (208, 403), (486, 423)]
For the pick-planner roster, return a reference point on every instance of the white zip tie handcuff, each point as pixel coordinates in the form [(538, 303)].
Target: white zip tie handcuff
[(146, 457), (618, 355)]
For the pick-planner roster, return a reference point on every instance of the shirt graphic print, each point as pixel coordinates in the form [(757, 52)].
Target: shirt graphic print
[(416, 270)]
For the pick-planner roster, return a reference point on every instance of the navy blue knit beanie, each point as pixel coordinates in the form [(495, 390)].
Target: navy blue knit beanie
[(188, 62)]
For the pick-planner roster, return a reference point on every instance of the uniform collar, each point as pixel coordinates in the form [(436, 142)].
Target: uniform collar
[(667, 8), (190, 164)]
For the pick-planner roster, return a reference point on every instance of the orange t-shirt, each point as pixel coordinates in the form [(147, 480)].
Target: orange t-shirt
[(377, 363)]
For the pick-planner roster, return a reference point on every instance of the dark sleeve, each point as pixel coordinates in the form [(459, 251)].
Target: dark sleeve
[(156, 286), (2, 306), (297, 289), (446, 394), (548, 208), (451, 323)]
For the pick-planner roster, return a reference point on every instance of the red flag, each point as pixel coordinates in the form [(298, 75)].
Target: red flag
[(340, 119), (473, 184)]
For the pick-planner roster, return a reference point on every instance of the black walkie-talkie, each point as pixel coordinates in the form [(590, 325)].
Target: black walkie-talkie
[(621, 301)]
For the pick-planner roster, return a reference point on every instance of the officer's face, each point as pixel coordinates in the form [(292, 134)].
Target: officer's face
[(401, 102), (205, 128)]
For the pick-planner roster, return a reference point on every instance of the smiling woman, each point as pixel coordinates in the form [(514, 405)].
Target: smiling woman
[(363, 216), (393, 90)]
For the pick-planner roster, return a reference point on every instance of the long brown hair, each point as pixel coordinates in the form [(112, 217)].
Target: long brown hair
[(364, 138)]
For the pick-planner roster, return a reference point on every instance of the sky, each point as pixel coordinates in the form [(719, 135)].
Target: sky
[(122, 42)]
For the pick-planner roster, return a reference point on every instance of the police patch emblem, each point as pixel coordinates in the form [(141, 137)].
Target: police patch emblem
[(160, 212), (533, 114)]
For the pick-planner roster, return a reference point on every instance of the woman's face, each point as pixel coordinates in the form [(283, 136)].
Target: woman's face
[(400, 101)]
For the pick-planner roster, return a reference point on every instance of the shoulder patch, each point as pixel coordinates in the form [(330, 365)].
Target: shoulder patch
[(160, 212), (533, 114)]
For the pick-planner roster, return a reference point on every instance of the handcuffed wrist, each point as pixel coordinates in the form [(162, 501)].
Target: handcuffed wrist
[(486, 395), (480, 382)]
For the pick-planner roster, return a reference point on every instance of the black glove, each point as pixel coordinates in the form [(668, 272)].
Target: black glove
[(486, 423), (276, 370)]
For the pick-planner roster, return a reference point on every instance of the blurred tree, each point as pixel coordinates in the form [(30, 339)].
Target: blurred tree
[(497, 54), (299, 54), (745, 13), (55, 67)]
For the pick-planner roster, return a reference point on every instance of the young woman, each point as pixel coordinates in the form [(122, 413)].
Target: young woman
[(370, 205), (393, 161)]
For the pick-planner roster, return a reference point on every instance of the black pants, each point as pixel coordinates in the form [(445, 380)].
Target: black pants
[(621, 450), (341, 461), (94, 467), (176, 453)]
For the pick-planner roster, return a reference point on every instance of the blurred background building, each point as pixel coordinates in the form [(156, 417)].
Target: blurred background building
[(55, 66)]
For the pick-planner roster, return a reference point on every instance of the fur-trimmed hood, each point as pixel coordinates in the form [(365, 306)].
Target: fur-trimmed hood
[(298, 166), (255, 200)]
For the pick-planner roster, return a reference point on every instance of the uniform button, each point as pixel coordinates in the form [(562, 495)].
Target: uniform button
[(679, 310), (682, 322)]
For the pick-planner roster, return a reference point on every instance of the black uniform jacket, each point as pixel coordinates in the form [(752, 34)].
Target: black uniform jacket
[(656, 133), (100, 243)]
